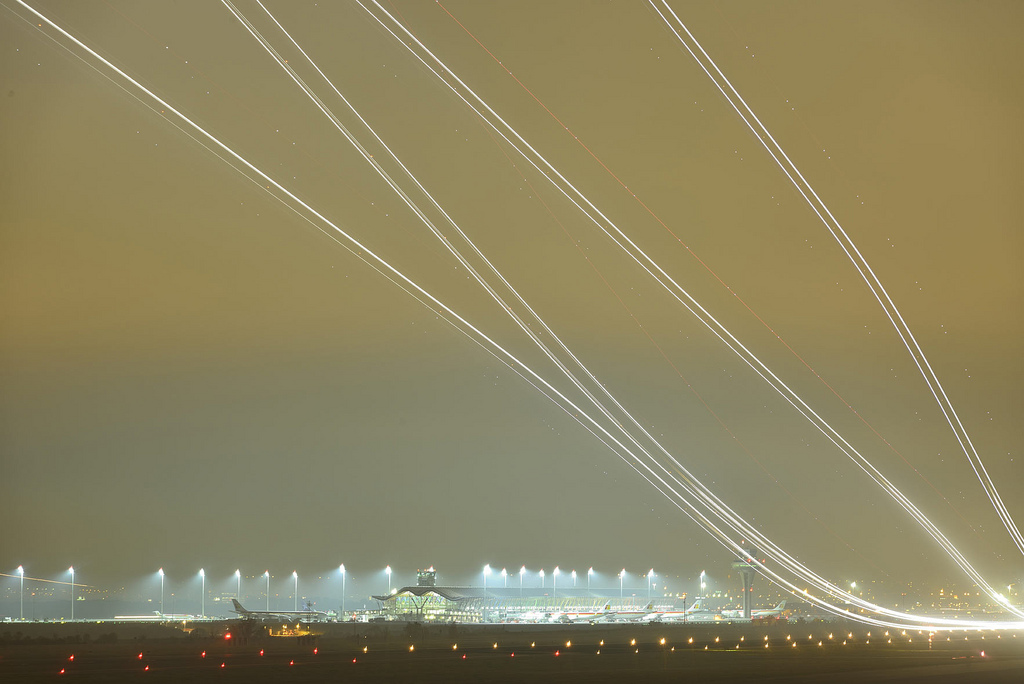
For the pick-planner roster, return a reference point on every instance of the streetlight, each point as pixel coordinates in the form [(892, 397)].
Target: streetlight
[(238, 585), (487, 571), (387, 571), (541, 573), (266, 573), (202, 574), (573, 579), (650, 576), (21, 572), (504, 576), (522, 571), (622, 575), (342, 568), (72, 571), (295, 593), (161, 573), (590, 573), (703, 586), (554, 582)]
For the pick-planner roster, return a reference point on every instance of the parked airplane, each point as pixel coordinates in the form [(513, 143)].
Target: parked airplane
[(754, 614), (286, 615), (696, 613)]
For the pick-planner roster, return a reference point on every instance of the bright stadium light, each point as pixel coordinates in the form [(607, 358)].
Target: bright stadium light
[(342, 569), (522, 571), (72, 571), (387, 571), (573, 579), (21, 573), (650, 576), (590, 573), (622, 575), (703, 586), (487, 571), (541, 573), (161, 573), (504, 577), (554, 582), (266, 574), (295, 593), (238, 585), (202, 574)]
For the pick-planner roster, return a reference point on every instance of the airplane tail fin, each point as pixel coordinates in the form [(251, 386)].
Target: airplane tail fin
[(781, 606), (238, 607), (650, 606)]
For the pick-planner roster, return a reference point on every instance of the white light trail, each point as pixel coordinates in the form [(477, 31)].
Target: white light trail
[(821, 210), (571, 193), (704, 494)]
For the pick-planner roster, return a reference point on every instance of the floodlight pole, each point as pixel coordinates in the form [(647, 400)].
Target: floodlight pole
[(342, 568), (21, 572), (72, 571), (267, 575)]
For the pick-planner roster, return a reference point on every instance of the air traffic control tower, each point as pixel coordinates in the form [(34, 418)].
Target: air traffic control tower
[(747, 569)]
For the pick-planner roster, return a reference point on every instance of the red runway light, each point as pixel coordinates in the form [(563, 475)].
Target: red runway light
[(203, 654), (513, 654), (140, 656), (62, 670), (353, 660), (222, 664), (291, 662), (315, 651), (261, 651), (72, 658), (558, 653), (146, 669), (463, 656), (227, 636)]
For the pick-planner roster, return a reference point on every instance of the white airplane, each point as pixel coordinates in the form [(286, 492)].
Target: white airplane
[(694, 612), (282, 615), (754, 614)]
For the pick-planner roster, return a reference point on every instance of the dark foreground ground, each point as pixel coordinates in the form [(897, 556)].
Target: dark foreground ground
[(507, 653)]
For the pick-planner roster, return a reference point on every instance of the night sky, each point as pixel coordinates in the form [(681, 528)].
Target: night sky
[(192, 375)]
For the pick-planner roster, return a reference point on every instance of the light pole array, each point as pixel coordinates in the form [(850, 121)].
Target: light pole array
[(342, 568), (72, 571), (295, 592), (387, 571), (622, 576), (238, 584), (573, 579), (554, 582), (522, 571), (487, 571), (650, 577), (202, 575), (266, 574), (590, 573), (161, 573), (504, 577), (541, 578)]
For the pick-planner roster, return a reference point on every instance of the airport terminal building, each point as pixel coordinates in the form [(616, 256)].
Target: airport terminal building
[(428, 602)]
